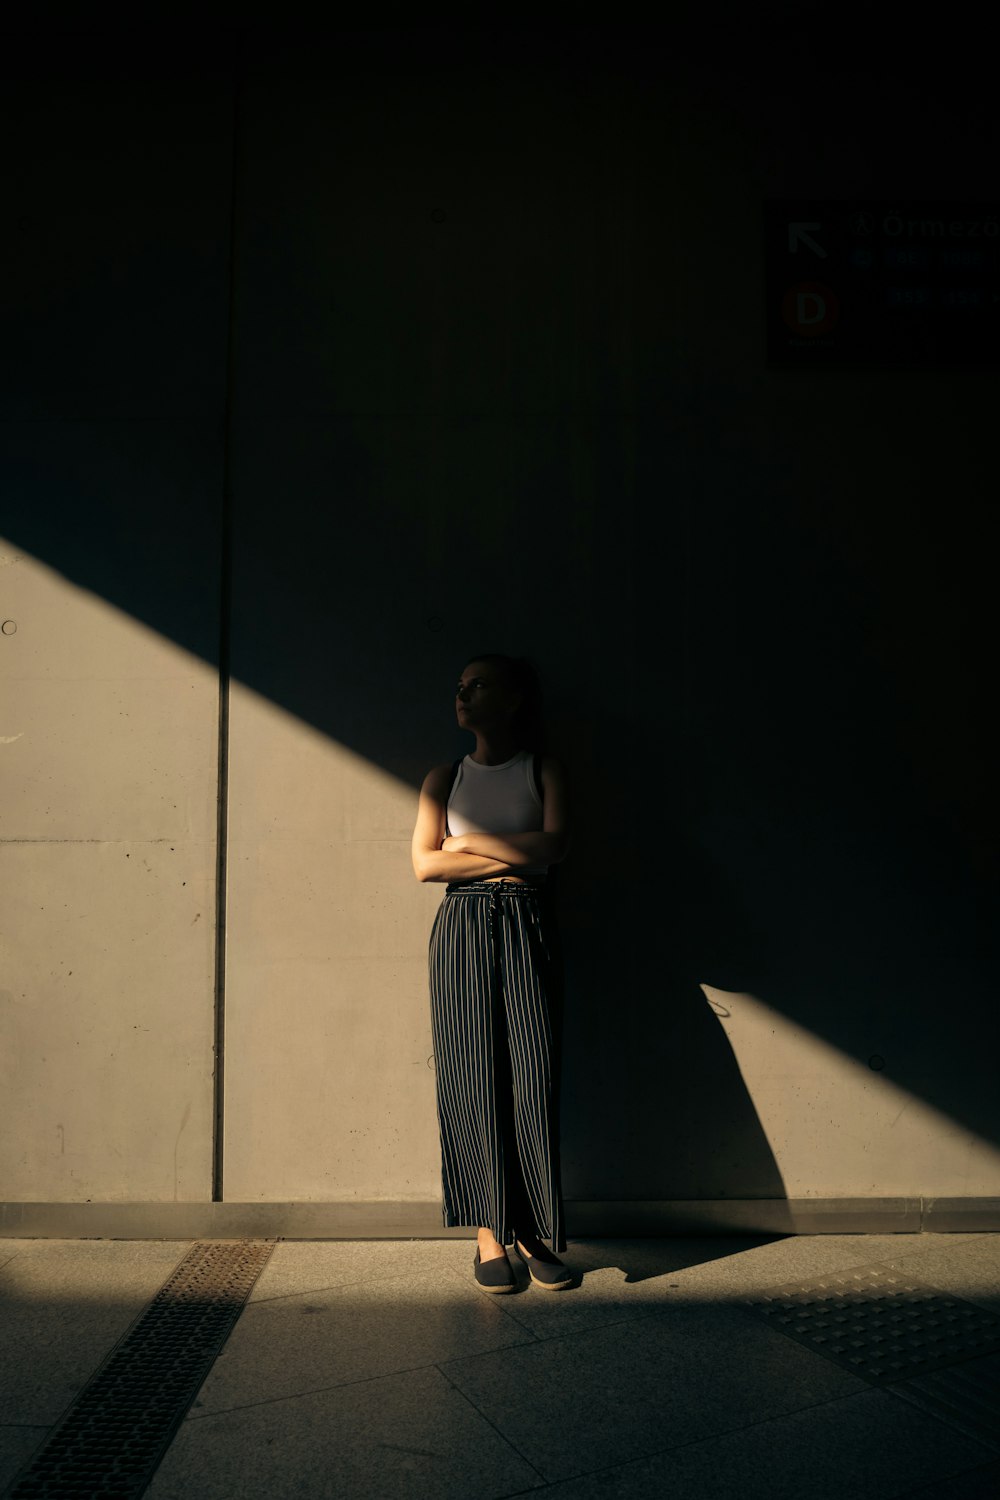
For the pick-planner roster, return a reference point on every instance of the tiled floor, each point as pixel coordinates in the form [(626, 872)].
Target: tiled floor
[(379, 1369)]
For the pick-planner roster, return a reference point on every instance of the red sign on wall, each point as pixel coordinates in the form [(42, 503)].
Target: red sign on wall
[(810, 308)]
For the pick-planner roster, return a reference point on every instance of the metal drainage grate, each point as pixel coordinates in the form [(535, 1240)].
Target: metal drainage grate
[(880, 1323), (111, 1439)]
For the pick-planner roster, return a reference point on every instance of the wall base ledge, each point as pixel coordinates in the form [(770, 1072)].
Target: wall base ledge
[(585, 1219)]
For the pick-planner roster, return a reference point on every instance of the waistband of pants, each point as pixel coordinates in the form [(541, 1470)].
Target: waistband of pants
[(494, 888)]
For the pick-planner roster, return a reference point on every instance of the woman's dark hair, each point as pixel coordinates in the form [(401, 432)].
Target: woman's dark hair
[(527, 723)]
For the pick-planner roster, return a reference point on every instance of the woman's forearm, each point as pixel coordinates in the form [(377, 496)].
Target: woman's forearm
[(517, 849), (451, 864)]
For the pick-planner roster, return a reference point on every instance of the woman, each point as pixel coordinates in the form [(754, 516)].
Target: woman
[(491, 832)]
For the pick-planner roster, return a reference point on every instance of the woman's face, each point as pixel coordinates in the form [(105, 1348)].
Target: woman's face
[(484, 699)]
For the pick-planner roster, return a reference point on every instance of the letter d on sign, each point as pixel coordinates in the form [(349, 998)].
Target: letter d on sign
[(809, 308)]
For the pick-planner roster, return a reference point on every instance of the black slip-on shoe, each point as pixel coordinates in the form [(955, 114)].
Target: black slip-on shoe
[(495, 1275), (551, 1276)]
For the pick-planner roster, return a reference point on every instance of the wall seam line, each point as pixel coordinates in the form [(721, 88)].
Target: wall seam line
[(225, 598)]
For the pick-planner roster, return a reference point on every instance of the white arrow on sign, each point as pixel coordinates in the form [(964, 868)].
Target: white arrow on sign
[(797, 232)]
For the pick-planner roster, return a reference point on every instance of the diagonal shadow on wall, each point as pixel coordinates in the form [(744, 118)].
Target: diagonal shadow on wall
[(483, 394)]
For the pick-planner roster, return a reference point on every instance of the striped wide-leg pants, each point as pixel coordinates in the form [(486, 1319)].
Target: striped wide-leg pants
[(496, 1021)]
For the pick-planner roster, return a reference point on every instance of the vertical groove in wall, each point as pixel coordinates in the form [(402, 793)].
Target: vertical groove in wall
[(225, 593), (687, 605)]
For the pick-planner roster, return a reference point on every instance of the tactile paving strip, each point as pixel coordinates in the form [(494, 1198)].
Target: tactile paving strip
[(111, 1439), (965, 1395), (879, 1322)]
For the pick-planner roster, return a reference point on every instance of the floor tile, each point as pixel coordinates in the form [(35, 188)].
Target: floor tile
[(75, 1264), (982, 1483), (601, 1297), (310, 1340), (623, 1279), (865, 1446), (9, 1250), (727, 1267), (969, 1268), (312, 1265), (412, 1436), (63, 1305), (609, 1395), (966, 1395)]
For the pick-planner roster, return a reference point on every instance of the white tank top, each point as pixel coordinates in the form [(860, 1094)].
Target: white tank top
[(497, 799)]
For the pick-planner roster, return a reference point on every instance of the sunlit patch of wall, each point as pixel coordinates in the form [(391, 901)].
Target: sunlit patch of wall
[(329, 1073), (840, 1126), (109, 771)]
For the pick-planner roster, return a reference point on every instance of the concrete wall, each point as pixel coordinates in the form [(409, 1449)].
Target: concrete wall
[(481, 366), (111, 395)]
